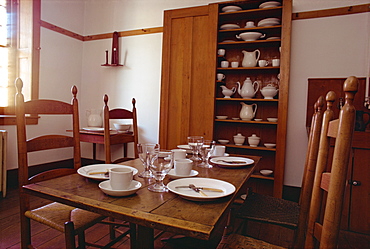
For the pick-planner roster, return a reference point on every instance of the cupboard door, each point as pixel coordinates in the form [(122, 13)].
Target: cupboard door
[(187, 94)]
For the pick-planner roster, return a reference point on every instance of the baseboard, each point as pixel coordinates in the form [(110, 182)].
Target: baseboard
[(12, 175)]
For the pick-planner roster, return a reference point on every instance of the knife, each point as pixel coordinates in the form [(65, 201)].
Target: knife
[(192, 186), (238, 162), (203, 188)]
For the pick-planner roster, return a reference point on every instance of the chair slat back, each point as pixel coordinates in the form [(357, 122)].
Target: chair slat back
[(342, 129), (118, 113), (45, 141)]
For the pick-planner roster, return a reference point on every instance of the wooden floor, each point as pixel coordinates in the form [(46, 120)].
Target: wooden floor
[(45, 237)]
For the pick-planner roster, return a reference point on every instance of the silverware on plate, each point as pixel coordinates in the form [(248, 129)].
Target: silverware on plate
[(192, 186), (237, 162), (203, 188)]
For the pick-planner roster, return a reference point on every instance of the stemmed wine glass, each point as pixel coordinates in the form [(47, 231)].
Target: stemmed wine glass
[(206, 151), (159, 168), (195, 143), (147, 153)]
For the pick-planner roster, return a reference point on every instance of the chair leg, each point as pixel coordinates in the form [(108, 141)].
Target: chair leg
[(69, 233), (112, 232), (25, 232)]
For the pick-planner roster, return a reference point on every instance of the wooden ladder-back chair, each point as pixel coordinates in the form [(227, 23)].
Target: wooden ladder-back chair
[(334, 182), (342, 129), (282, 212), (69, 220), (119, 138)]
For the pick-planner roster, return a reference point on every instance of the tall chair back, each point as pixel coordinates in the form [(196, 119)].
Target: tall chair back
[(327, 231), (119, 138)]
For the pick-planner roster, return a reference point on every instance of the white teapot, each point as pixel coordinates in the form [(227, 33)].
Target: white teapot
[(249, 89), (94, 118), (228, 92), (269, 91)]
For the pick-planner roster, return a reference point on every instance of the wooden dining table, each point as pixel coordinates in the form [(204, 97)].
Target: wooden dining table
[(146, 210)]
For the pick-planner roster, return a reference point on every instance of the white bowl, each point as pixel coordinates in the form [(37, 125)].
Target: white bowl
[(229, 26), (266, 172), (223, 141), (258, 119), (268, 145), (106, 188), (272, 119), (221, 117), (121, 127), (270, 4), (250, 36)]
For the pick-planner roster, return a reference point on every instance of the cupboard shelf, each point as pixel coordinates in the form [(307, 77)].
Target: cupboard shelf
[(259, 176), (235, 43), (246, 68), (240, 99), (243, 121), (250, 147), (251, 13)]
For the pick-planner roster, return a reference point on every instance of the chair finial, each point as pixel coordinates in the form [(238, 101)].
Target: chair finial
[(133, 102), (330, 98), (18, 85), (105, 98), (74, 91), (350, 87), (319, 104)]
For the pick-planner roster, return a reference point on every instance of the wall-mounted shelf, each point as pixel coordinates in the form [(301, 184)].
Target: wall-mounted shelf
[(115, 53)]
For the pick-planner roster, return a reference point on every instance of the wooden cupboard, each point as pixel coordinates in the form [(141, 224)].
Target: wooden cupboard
[(191, 95)]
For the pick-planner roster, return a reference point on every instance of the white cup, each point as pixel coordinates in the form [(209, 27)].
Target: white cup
[(234, 64), (263, 63), (183, 167), (179, 154), (219, 150), (220, 76), (224, 64), (249, 24), (221, 52), (120, 178), (275, 62)]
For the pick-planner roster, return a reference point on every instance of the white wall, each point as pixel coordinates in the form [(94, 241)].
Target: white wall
[(320, 48)]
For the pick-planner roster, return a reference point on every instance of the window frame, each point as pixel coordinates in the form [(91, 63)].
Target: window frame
[(24, 11)]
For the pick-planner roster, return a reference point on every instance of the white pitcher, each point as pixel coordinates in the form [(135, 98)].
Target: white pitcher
[(250, 58), (94, 118), (247, 112)]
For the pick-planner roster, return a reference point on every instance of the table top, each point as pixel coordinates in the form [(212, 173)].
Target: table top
[(163, 211)]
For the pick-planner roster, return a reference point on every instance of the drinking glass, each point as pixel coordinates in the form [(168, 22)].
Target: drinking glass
[(195, 143), (206, 151), (147, 153), (159, 168)]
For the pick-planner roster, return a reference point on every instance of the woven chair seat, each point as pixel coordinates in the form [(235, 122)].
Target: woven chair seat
[(56, 214), (269, 209), (237, 241)]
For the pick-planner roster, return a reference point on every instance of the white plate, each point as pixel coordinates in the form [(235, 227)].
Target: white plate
[(173, 175), (220, 161), (230, 26), (228, 41), (268, 23), (273, 38), (106, 188), (190, 194), (231, 8), (87, 170), (185, 147), (93, 129), (269, 4)]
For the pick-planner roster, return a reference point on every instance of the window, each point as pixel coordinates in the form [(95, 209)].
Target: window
[(19, 52)]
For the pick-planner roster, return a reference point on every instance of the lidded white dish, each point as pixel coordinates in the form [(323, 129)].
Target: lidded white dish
[(239, 139), (253, 140)]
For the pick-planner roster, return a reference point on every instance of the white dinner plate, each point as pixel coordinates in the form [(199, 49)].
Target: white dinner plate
[(185, 147), (230, 26), (173, 175), (187, 193), (87, 170), (270, 4), (223, 161), (107, 189), (93, 129), (231, 8)]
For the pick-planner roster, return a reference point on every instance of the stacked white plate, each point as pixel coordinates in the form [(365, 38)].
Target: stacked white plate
[(230, 26), (269, 22), (231, 8), (270, 4)]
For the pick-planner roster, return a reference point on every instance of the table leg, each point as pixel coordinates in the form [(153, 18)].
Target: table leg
[(94, 151), (141, 237)]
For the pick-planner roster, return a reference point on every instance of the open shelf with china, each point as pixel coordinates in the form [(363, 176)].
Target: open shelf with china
[(235, 27)]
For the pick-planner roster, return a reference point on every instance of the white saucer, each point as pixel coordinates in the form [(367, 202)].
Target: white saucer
[(173, 175), (226, 154), (106, 188)]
